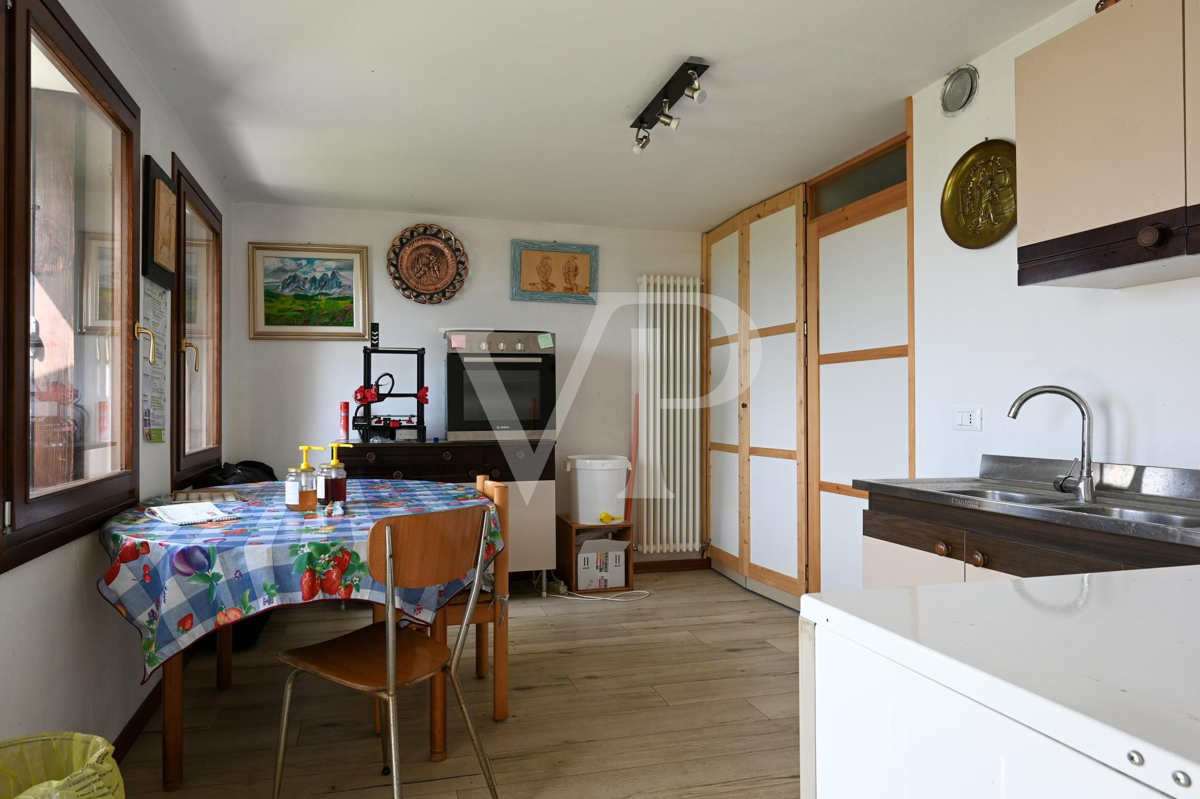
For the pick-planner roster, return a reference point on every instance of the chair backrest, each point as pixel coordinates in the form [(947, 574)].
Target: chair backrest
[(429, 548)]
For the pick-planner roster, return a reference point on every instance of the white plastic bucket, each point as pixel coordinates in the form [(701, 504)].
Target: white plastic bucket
[(598, 488)]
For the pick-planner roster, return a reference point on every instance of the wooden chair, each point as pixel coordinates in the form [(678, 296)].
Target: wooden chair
[(419, 550), (492, 608)]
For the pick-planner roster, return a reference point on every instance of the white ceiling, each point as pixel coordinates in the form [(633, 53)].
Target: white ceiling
[(520, 109)]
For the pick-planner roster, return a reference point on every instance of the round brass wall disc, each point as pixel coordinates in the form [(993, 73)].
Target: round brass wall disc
[(427, 263), (979, 201)]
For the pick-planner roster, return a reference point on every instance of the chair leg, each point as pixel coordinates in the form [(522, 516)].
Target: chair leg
[(394, 736), (384, 738), (283, 731), (484, 763), (481, 650)]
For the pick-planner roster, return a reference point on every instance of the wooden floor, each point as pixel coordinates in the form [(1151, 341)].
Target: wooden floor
[(691, 692)]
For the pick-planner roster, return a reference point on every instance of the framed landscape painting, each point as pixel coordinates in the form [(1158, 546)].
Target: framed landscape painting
[(308, 291), (547, 271)]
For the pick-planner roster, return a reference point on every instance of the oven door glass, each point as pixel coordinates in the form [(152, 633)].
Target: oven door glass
[(500, 393)]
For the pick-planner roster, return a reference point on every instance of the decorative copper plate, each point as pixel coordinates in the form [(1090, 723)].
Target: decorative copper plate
[(979, 201), (427, 263)]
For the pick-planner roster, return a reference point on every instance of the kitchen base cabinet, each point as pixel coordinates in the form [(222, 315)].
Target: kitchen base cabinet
[(886, 732), (888, 565)]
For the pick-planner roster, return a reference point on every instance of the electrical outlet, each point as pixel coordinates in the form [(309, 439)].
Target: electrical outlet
[(966, 418)]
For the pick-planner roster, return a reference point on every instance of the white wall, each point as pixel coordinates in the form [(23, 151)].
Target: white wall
[(69, 661), (280, 394), (981, 340)]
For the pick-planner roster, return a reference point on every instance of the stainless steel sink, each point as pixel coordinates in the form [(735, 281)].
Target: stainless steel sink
[(1010, 496), (1132, 515)]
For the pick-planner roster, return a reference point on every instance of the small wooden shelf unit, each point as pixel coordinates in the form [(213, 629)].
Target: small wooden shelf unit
[(568, 531)]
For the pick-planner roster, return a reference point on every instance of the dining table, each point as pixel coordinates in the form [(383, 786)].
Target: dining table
[(177, 584)]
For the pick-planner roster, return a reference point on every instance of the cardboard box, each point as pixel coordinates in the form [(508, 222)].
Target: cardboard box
[(601, 564)]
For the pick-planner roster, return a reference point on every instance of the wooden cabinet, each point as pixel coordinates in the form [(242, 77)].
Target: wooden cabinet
[(990, 556), (908, 542), (1103, 167), (531, 494), (899, 552)]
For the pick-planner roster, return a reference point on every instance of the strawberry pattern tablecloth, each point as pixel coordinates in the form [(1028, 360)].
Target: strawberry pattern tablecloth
[(176, 584)]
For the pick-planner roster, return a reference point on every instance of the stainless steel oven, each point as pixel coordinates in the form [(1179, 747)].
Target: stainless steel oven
[(500, 385)]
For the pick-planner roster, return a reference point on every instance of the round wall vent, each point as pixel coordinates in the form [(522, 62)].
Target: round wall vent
[(959, 90)]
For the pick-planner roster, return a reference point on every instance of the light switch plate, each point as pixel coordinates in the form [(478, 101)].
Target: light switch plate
[(968, 418)]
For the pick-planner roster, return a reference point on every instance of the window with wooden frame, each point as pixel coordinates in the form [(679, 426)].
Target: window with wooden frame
[(196, 333), (72, 170)]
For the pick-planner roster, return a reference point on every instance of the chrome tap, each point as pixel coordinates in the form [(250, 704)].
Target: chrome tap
[(1085, 486)]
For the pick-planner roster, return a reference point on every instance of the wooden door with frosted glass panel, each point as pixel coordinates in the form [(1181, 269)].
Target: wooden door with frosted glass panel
[(756, 442), (724, 461), (859, 351)]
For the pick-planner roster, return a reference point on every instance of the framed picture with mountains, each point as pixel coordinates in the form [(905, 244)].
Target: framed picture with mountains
[(308, 291)]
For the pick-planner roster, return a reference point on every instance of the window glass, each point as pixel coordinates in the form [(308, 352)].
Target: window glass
[(860, 182), (78, 297), (201, 327)]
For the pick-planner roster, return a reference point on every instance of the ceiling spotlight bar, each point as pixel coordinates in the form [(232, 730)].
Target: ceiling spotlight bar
[(684, 83)]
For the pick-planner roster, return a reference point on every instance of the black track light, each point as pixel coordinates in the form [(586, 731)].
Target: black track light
[(666, 119), (694, 91)]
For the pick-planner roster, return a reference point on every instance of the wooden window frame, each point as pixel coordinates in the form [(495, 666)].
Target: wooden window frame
[(185, 468), (45, 523)]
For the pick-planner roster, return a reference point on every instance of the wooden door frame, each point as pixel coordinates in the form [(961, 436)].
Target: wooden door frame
[(887, 201), (741, 562)]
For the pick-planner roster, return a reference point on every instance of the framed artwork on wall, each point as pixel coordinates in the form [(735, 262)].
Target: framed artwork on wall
[(99, 315), (159, 225), (548, 271), (308, 291)]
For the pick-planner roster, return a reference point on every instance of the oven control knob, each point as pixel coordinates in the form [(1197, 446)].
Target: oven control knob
[(483, 345), (520, 345), (501, 346)]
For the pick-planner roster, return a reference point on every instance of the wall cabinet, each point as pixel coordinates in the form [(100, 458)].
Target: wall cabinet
[(1109, 187)]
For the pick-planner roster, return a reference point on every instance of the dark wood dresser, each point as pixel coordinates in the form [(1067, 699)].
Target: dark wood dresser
[(447, 461)]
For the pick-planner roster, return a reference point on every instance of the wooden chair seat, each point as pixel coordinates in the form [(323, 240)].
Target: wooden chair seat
[(358, 659), (485, 598)]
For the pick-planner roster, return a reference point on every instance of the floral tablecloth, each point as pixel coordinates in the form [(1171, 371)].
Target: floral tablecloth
[(175, 584)]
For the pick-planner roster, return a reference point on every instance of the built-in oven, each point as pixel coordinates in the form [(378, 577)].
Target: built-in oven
[(500, 385)]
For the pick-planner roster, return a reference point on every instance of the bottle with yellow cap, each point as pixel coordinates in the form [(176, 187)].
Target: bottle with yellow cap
[(335, 481), (300, 488)]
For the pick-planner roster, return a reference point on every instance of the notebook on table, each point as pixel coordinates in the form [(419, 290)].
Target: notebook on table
[(190, 513)]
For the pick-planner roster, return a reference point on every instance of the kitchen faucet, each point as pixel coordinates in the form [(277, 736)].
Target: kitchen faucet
[(1085, 487)]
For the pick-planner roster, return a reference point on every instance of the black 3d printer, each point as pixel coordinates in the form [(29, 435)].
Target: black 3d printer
[(383, 427)]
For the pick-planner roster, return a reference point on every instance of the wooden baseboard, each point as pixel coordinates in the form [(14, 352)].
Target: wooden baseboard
[(685, 564), (133, 728)]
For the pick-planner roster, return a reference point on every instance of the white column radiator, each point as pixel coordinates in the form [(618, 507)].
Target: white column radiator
[(667, 477)]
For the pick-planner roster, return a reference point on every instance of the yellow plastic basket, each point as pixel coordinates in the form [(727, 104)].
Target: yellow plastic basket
[(64, 765)]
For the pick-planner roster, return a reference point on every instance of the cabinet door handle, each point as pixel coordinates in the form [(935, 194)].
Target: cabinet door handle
[(397, 475), (979, 559), (473, 473), (495, 474), (446, 455), (941, 548)]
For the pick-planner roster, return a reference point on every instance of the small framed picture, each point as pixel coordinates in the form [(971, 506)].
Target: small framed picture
[(99, 254), (159, 225), (308, 291), (548, 271)]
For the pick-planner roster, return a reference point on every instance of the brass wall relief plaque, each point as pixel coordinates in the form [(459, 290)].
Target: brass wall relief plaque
[(427, 263), (979, 201)]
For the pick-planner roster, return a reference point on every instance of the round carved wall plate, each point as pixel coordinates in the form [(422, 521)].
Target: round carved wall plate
[(427, 263), (979, 201)]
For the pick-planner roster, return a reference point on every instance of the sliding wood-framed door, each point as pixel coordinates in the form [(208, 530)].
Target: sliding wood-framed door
[(756, 443), (861, 364)]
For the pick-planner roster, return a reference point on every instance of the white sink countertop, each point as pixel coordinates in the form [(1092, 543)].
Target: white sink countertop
[(1104, 663)]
